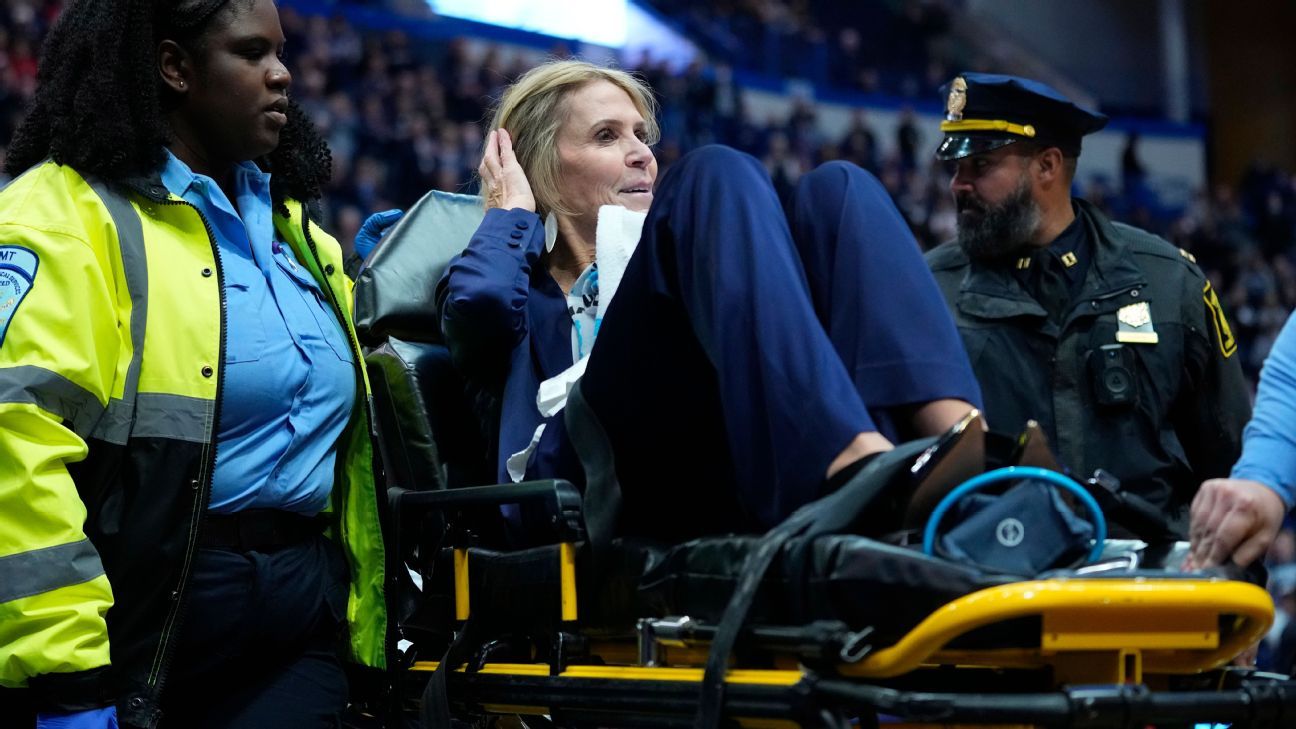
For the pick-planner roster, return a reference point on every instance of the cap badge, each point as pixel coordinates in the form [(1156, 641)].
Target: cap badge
[(956, 100)]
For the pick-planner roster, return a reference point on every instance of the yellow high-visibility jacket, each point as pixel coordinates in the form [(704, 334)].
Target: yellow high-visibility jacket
[(112, 336)]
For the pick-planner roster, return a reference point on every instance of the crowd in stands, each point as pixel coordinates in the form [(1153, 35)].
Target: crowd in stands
[(402, 118), (22, 27), (901, 49)]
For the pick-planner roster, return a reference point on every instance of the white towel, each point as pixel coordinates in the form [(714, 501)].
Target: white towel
[(552, 396), (615, 241)]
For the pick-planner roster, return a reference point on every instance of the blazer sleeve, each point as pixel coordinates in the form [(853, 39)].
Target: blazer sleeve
[(482, 297)]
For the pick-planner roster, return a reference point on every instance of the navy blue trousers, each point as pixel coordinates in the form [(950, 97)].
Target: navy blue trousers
[(260, 641), (745, 350)]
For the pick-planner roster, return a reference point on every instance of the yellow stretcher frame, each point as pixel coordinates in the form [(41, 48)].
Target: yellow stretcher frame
[(1093, 630), (1105, 630)]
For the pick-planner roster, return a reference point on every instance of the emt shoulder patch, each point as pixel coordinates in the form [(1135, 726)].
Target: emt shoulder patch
[(17, 273), (1223, 334)]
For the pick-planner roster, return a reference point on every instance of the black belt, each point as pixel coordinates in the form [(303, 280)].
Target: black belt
[(259, 530)]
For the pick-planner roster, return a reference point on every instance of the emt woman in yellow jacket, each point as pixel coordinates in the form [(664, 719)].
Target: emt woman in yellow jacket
[(189, 530)]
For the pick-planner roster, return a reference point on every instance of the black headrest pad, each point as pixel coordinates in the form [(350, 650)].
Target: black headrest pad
[(395, 292)]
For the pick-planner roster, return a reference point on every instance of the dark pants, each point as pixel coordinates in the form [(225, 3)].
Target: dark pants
[(260, 639), (726, 379)]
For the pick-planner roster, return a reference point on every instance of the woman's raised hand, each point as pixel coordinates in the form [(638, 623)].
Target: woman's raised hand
[(504, 183)]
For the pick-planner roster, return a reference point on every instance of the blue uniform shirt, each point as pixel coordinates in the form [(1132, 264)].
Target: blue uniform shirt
[(1269, 440), (289, 381)]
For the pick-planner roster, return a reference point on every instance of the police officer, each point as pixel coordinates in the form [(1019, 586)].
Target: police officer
[(1108, 336)]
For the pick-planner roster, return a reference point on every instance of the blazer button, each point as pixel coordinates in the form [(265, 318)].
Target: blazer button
[(207, 371), (516, 235), (522, 225)]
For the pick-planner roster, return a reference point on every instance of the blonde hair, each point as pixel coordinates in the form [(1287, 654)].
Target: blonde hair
[(534, 107)]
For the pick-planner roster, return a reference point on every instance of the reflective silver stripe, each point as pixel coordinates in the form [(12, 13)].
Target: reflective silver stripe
[(115, 425), (41, 570), (156, 415), (130, 241), (159, 415), (52, 392)]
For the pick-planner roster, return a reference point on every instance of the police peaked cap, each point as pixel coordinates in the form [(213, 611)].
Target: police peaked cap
[(985, 111)]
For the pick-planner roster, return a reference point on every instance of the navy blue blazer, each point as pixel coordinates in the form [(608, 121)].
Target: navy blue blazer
[(499, 306)]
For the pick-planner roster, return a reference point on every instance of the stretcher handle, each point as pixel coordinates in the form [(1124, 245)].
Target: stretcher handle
[(1011, 473), (560, 501)]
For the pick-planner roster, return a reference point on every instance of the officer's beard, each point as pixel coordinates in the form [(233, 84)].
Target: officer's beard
[(994, 231)]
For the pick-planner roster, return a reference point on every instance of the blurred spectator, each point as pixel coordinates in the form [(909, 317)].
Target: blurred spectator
[(1278, 649), (1132, 168), (860, 143), (907, 139), (1134, 185), (784, 167)]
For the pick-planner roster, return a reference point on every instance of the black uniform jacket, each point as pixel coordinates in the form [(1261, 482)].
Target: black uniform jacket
[(1181, 423)]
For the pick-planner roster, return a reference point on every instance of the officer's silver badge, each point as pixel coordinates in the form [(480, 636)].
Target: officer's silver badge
[(956, 100), (1135, 322)]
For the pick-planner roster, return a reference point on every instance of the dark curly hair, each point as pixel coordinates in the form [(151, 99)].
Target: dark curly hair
[(100, 105)]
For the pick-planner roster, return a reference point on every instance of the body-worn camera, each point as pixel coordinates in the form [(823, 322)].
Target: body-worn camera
[(1111, 374)]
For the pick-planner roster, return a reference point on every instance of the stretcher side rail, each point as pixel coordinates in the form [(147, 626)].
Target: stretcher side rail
[(628, 697), (1261, 705)]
